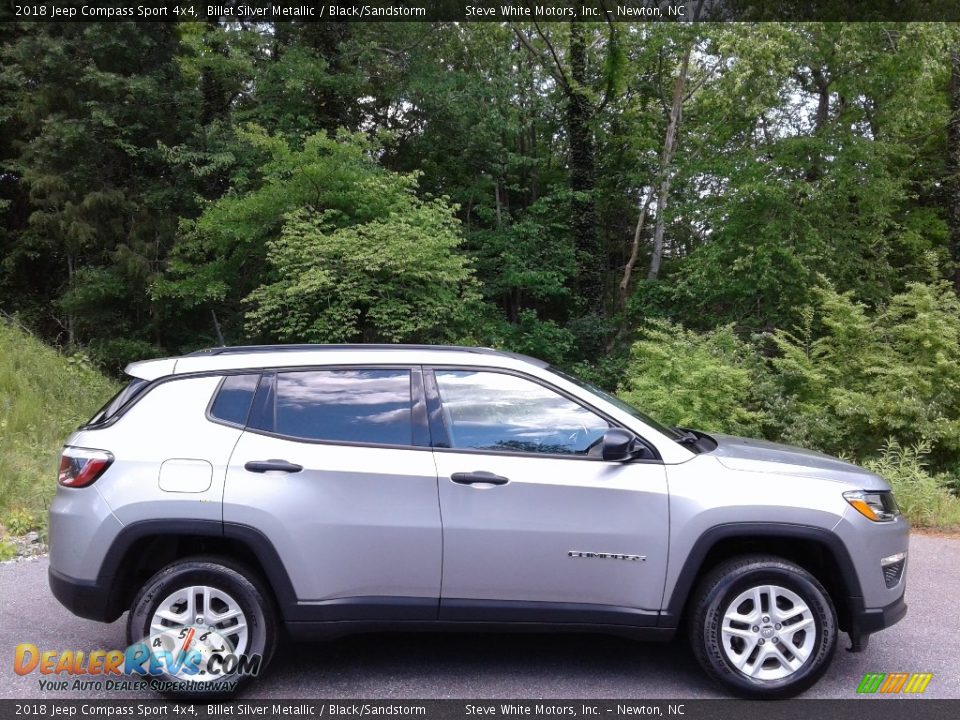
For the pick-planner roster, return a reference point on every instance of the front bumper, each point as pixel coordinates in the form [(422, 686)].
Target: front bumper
[(866, 621)]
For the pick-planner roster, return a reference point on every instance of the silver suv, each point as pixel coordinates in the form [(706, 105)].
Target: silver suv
[(340, 489)]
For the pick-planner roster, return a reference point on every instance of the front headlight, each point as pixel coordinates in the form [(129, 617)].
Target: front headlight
[(878, 506)]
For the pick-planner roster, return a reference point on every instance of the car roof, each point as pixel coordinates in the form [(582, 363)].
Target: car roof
[(259, 356)]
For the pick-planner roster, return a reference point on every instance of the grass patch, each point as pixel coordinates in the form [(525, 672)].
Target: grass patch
[(44, 396), (7, 550)]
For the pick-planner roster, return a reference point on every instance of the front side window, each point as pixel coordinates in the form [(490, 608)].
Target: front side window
[(362, 406), (617, 402), (494, 411)]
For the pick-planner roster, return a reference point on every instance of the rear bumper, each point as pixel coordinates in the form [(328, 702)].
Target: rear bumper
[(866, 621), (84, 598)]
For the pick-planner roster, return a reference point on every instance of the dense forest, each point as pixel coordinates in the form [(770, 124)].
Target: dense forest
[(745, 228)]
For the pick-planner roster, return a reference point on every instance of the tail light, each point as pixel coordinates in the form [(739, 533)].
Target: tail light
[(79, 466)]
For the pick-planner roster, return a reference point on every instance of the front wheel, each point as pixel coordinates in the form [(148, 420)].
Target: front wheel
[(763, 627), (202, 626)]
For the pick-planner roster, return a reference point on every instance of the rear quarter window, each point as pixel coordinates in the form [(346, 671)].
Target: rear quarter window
[(233, 399), (114, 405)]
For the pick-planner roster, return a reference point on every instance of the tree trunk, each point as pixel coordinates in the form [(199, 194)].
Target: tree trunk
[(213, 103), (216, 328), (666, 163), (953, 167), (634, 252), (822, 85), (71, 337), (823, 99), (582, 175)]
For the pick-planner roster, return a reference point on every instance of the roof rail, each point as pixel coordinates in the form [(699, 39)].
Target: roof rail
[(238, 349)]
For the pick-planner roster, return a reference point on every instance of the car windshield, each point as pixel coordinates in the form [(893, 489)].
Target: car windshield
[(614, 400)]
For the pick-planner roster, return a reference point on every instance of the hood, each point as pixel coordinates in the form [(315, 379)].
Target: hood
[(749, 455)]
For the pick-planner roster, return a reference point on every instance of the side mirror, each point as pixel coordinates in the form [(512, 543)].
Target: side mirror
[(618, 444)]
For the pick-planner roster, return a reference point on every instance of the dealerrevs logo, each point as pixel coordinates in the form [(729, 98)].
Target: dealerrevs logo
[(197, 660)]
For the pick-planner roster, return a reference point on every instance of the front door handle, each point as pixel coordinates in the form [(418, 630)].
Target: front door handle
[(262, 466), (479, 477)]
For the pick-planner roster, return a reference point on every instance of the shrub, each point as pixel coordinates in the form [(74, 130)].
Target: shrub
[(20, 522), (543, 339), (710, 381), (851, 378), (922, 497)]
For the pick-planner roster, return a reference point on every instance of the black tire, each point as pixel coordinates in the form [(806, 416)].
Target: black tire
[(221, 574), (726, 583)]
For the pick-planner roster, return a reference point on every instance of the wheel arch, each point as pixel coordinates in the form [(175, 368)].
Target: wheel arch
[(817, 550), (143, 548)]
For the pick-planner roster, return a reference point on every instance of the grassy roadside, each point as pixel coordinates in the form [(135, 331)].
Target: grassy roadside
[(44, 395)]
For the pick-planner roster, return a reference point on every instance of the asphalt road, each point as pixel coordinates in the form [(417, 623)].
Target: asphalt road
[(501, 666)]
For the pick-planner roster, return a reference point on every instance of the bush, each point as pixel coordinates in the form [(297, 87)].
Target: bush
[(848, 381), (8, 550), (20, 522), (543, 339), (710, 381), (922, 497), (851, 378)]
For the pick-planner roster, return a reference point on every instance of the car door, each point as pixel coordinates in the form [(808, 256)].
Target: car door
[(536, 526), (335, 469)]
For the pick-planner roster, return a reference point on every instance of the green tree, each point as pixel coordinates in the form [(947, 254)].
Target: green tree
[(823, 183), (89, 104), (396, 278), (330, 247)]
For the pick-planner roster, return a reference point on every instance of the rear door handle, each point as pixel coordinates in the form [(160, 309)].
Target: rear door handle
[(262, 466), (479, 477)]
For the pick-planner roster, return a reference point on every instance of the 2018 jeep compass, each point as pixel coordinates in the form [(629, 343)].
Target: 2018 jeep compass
[(337, 489)]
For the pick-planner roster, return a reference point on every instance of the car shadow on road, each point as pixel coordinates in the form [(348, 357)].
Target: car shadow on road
[(455, 665)]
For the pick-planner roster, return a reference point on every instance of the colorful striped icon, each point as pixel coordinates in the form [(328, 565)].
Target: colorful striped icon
[(890, 683)]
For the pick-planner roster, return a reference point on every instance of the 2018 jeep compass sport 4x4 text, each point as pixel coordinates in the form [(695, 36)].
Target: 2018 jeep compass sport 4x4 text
[(338, 489)]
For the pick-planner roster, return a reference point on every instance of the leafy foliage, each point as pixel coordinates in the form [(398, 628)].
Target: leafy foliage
[(744, 227), (19, 522), (92, 212), (330, 247), (851, 378), (877, 385), (920, 495), (393, 279), (711, 381)]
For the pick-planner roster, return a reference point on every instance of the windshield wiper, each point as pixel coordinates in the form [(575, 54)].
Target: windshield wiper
[(698, 442), (687, 437)]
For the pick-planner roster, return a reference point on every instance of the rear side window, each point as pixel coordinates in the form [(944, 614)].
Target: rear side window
[(362, 406), (119, 401), (234, 397)]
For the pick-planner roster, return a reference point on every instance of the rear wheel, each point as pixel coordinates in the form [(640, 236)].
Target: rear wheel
[(205, 622), (763, 627)]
